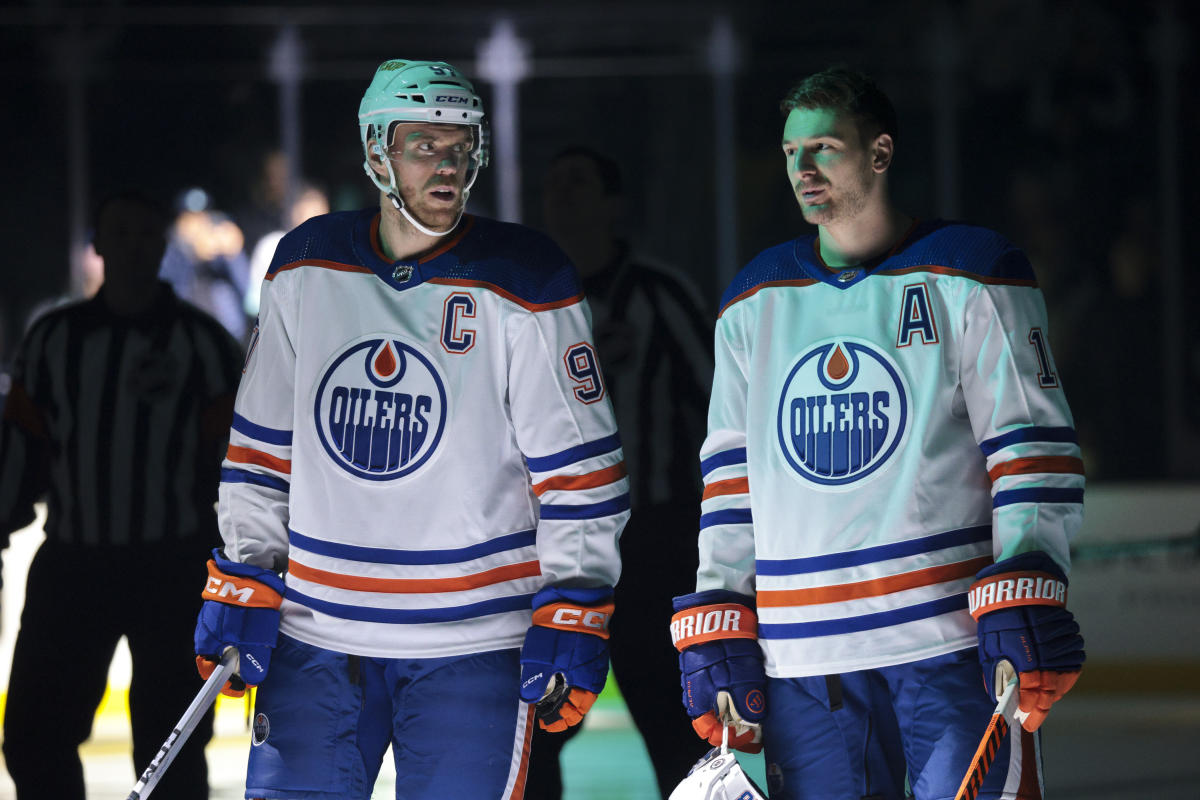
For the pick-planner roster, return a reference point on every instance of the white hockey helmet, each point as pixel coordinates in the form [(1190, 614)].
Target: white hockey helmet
[(418, 91), (718, 776)]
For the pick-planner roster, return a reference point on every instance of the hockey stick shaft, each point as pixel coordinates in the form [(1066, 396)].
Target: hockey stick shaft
[(993, 737), (187, 723)]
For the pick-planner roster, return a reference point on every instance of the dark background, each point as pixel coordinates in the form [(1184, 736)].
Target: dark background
[(1067, 126)]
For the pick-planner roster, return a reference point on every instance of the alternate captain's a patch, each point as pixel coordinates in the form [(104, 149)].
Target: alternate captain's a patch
[(916, 317)]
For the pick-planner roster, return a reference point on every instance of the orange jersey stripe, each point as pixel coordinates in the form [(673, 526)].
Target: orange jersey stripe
[(730, 486), (511, 572), (590, 480), (320, 263), (872, 588), (468, 223), (245, 455), (1026, 466), (958, 273), (768, 285), (491, 287)]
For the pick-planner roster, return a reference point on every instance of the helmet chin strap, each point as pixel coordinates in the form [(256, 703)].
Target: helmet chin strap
[(412, 220), (393, 194)]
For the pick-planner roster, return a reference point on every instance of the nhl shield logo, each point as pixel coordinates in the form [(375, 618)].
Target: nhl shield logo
[(843, 412), (380, 408)]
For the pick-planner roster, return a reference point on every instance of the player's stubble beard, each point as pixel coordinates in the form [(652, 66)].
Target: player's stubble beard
[(843, 204), (438, 218)]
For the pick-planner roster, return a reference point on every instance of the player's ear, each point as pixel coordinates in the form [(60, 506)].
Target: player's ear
[(882, 150), (375, 156)]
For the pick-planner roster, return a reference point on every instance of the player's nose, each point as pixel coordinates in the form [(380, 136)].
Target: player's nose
[(802, 162)]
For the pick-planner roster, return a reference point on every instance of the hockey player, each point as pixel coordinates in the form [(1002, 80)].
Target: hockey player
[(891, 481), (423, 447)]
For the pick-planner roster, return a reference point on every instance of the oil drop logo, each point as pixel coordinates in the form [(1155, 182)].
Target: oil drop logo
[(843, 412), (380, 408)]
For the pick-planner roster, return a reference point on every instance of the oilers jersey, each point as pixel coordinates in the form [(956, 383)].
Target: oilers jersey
[(876, 435), (420, 446)]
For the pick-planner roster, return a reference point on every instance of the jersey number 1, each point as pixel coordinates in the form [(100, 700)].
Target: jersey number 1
[(1046, 377)]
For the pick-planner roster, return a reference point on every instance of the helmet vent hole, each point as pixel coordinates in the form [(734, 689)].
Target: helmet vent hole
[(418, 98)]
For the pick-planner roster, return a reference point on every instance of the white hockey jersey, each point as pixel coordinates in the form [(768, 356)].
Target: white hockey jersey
[(876, 436), (421, 446)]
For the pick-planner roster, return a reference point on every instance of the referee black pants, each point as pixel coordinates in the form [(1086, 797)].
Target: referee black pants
[(79, 601)]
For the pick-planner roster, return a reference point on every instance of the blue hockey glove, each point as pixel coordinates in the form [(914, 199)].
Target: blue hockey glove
[(565, 658), (1025, 629), (721, 666), (240, 609)]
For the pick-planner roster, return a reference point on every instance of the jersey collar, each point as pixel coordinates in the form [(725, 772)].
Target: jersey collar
[(407, 272)]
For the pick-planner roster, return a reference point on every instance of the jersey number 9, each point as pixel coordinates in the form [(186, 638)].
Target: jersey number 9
[(584, 370)]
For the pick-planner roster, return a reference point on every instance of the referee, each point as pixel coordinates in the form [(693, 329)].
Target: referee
[(117, 414), (654, 338)]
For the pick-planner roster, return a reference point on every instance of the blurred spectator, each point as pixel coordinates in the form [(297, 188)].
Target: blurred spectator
[(310, 202), (265, 210), (92, 271), (5, 379), (117, 416), (654, 340), (1125, 362), (205, 261)]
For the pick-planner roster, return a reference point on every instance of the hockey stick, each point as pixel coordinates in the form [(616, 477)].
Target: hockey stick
[(187, 723), (997, 729)]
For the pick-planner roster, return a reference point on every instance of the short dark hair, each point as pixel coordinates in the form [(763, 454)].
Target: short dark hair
[(839, 88), (131, 198), (607, 168)]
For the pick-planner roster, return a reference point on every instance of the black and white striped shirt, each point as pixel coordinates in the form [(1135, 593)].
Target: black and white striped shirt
[(654, 339), (120, 422)]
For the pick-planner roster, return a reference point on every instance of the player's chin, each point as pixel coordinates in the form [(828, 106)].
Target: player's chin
[(816, 215), (442, 215)]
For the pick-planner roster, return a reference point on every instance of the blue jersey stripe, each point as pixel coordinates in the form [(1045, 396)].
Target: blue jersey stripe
[(383, 555), (723, 459), (870, 555), (1037, 494), (605, 508), (574, 454), (413, 616), (229, 475), (268, 435), (726, 516), (864, 622), (1024, 435)]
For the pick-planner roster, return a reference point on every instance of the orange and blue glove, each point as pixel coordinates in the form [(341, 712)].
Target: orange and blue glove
[(240, 610), (564, 661), (1020, 604), (721, 666)]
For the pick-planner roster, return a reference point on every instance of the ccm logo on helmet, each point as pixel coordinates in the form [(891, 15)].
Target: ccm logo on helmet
[(449, 98), (222, 588), (588, 618)]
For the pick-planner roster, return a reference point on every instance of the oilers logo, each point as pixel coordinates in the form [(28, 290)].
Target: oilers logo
[(842, 413), (380, 408)]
